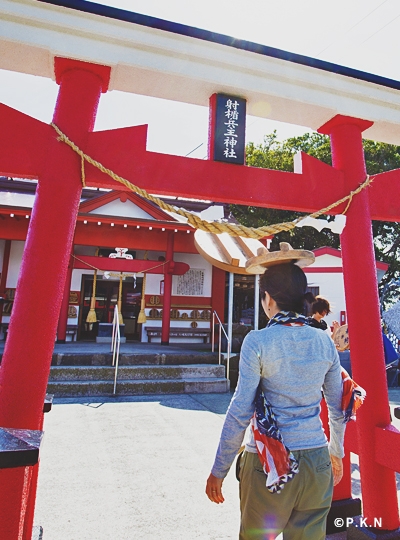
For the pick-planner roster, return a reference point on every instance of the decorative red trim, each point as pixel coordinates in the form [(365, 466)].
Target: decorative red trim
[(381, 265), (181, 302), (327, 250), (123, 196), (16, 210), (324, 270), (133, 222)]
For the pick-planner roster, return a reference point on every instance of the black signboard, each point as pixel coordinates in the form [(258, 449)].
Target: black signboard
[(229, 129)]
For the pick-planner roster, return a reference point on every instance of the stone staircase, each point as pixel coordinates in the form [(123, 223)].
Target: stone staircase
[(81, 375)]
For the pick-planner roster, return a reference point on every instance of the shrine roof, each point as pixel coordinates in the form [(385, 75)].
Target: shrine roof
[(167, 60), (333, 252), (17, 195)]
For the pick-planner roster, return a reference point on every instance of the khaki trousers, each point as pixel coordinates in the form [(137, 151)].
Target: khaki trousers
[(300, 510)]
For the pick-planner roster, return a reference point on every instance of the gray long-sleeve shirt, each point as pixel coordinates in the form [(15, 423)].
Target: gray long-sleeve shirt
[(293, 363)]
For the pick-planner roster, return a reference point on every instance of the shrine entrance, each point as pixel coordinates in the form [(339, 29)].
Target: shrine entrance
[(186, 64), (243, 300), (106, 299)]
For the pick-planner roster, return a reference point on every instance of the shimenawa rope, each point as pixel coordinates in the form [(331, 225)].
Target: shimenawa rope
[(198, 223)]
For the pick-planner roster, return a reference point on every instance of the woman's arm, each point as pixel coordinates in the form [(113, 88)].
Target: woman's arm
[(241, 408), (332, 389)]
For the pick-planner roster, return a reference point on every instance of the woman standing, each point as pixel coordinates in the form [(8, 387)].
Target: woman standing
[(290, 362)]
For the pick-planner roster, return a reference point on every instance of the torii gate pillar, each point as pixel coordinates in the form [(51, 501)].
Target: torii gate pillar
[(378, 483), (25, 369)]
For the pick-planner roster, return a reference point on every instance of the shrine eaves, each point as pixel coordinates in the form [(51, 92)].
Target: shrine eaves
[(172, 61)]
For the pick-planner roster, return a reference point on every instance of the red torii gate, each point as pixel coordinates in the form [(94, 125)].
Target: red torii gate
[(30, 148)]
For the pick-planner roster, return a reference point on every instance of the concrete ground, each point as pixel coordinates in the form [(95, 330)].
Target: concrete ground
[(135, 469)]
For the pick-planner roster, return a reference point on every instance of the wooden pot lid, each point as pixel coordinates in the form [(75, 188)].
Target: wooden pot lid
[(286, 254)]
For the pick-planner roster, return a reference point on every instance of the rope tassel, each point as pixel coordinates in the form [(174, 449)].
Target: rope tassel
[(142, 315), (91, 316)]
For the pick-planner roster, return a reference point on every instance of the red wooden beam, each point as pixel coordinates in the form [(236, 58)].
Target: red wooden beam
[(387, 443), (130, 265), (384, 196), (25, 140), (221, 182)]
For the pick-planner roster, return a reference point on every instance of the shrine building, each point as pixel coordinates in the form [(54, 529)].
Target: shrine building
[(108, 220)]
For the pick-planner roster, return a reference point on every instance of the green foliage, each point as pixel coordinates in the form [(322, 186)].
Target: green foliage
[(273, 154)]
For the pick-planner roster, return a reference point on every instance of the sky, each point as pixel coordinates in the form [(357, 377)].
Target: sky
[(361, 34)]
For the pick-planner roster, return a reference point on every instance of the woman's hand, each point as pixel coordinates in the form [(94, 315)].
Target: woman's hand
[(337, 469), (214, 489), (335, 328)]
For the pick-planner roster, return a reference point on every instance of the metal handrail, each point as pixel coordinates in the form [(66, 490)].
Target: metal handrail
[(228, 342), (115, 343)]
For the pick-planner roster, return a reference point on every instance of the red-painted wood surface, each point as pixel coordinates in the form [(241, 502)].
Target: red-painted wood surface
[(25, 368), (362, 302)]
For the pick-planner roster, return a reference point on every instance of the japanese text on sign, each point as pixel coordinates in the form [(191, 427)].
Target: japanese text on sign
[(229, 131)]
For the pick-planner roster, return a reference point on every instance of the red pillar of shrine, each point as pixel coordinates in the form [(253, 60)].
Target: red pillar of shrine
[(166, 315), (378, 483), (27, 355), (63, 320)]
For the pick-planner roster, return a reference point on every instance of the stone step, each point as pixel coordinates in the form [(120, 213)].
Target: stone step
[(199, 385), (105, 359), (151, 372)]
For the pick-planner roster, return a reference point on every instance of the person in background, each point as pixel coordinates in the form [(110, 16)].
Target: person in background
[(286, 364), (320, 308)]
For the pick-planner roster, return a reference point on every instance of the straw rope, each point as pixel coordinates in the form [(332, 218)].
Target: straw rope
[(198, 223)]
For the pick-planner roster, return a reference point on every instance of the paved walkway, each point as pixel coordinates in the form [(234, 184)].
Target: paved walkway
[(135, 469)]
